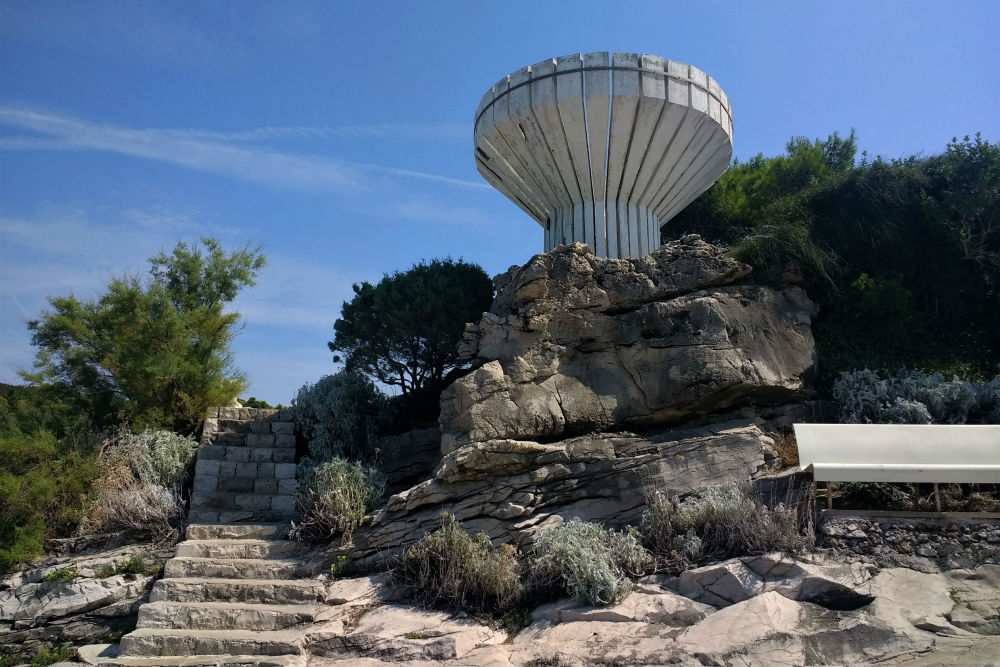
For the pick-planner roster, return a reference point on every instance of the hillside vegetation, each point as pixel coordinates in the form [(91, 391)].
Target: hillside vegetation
[(902, 255)]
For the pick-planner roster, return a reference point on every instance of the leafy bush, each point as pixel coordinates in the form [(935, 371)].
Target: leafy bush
[(724, 521), (452, 568), (339, 417), (45, 478), (334, 497), (911, 397), (589, 562)]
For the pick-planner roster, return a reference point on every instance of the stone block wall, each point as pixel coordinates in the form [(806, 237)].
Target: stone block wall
[(246, 467)]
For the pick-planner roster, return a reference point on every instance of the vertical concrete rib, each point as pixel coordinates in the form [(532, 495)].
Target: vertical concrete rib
[(598, 99), (570, 102)]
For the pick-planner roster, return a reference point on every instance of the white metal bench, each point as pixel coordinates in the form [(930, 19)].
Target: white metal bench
[(931, 453)]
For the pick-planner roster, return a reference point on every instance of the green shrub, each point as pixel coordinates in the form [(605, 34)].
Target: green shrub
[(339, 417), (45, 484), (589, 562), (50, 656), (61, 574), (452, 568), (334, 497), (911, 397), (725, 521)]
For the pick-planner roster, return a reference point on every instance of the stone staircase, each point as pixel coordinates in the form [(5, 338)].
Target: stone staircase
[(230, 595)]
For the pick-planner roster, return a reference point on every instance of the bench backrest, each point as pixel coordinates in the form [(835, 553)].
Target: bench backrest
[(900, 452)]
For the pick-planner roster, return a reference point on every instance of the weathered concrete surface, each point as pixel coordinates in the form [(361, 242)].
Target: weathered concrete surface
[(600, 156), (574, 343)]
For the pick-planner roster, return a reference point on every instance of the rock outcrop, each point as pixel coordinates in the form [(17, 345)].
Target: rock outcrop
[(513, 489), (575, 343), (92, 602), (906, 617)]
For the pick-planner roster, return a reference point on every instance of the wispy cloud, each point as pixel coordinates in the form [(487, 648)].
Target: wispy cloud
[(438, 212), (449, 132), (194, 150)]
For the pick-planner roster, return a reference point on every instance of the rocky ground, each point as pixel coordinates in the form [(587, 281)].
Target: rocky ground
[(827, 608), (766, 610)]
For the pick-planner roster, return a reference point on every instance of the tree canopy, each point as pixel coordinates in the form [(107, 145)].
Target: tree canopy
[(404, 330), (154, 351), (903, 256)]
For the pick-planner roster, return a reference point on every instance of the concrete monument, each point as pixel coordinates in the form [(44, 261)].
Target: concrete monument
[(604, 148)]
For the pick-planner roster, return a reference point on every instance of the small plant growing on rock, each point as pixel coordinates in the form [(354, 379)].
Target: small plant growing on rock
[(724, 521), (589, 562), (50, 656), (61, 574), (333, 498), (133, 565), (453, 568)]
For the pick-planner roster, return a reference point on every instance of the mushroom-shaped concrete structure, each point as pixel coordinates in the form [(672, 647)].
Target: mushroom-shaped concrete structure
[(604, 148)]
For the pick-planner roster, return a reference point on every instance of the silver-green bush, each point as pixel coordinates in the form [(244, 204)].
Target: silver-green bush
[(143, 476), (339, 417), (590, 562), (910, 397), (724, 521), (333, 497), (453, 568)]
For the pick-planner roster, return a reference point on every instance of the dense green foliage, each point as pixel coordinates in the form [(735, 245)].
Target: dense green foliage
[(339, 416), (404, 331), (154, 352), (48, 462), (902, 256)]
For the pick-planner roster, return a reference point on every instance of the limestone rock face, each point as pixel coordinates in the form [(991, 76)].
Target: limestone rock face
[(575, 343)]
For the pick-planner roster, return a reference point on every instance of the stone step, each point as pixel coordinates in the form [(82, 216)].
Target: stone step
[(210, 483), (246, 453), (207, 516), (236, 548), (225, 615), (245, 439), (222, 500), (259, 591), (109, 655), (230, 568), (246, 531), (173, 642)]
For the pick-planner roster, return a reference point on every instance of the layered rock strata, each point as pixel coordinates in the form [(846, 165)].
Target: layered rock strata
[(575, 343)]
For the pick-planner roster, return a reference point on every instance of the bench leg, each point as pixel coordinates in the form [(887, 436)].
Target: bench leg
[(829, 495), (937, 498)]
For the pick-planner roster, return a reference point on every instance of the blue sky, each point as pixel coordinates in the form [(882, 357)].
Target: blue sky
[(339, 135)]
